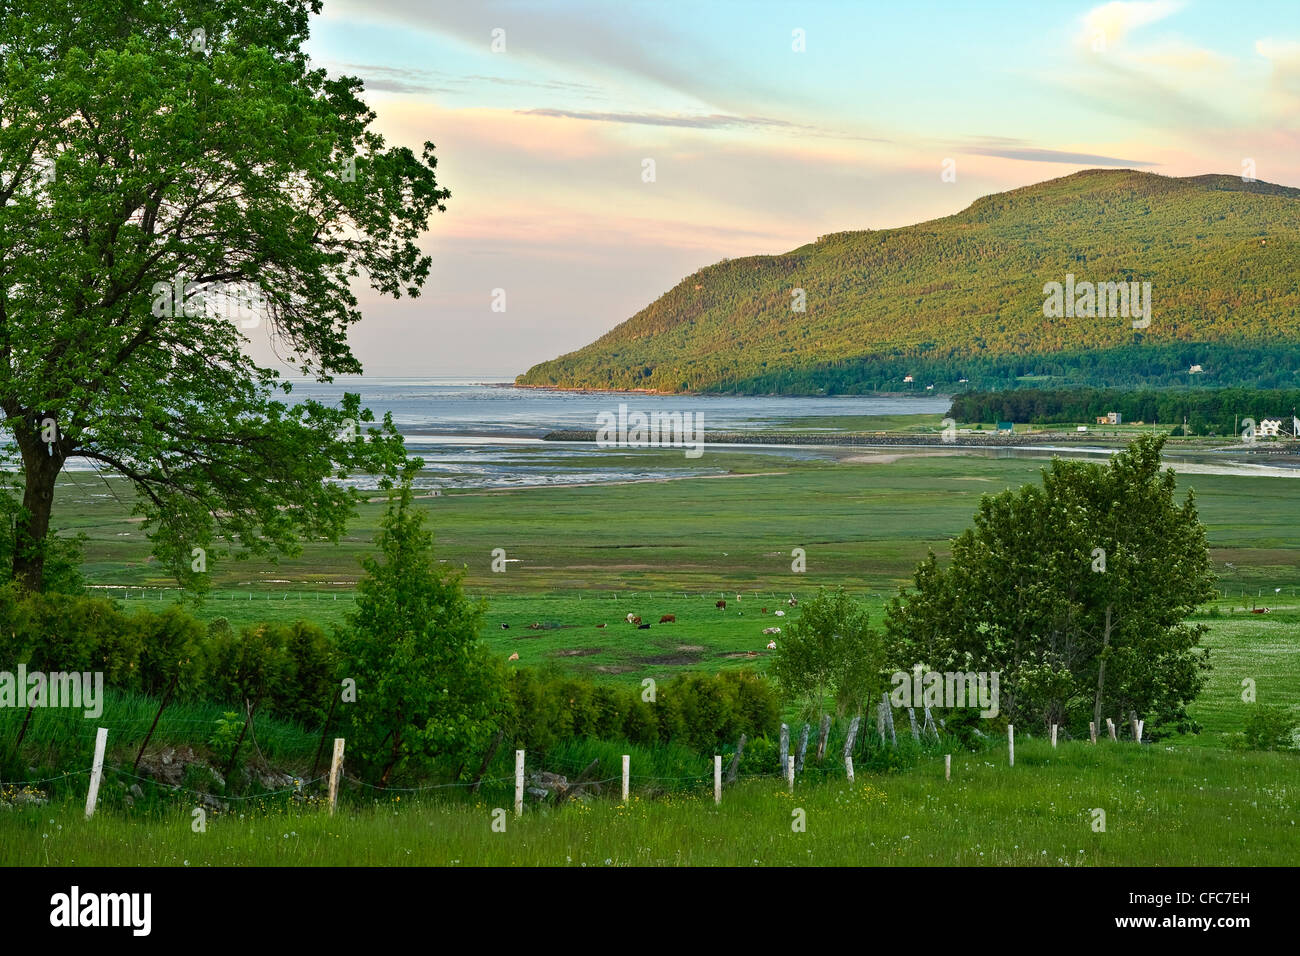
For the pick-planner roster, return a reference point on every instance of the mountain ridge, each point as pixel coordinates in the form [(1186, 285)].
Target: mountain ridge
[(961, 297)]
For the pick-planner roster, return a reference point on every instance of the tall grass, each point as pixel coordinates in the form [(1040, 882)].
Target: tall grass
[(1164, 806)]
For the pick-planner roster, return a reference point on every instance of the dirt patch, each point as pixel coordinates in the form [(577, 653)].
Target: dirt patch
[(576, 651), (739, 654), (690, 648), (612, 669), (674, 659)]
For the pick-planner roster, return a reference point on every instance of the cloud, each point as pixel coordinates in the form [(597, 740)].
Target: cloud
[(1037, 155), (396, 79), (1112, 22), (711, 121)]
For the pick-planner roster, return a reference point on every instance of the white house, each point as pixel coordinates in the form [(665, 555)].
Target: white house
[(1196, 370), (1270, 428)]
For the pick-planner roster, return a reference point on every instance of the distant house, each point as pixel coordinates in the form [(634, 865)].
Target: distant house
[(1112, 418), (1196, 370), (907, 378), (1270, 428), (1103, 420), (1006, 426)]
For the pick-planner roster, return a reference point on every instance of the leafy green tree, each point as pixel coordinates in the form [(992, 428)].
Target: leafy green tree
[(829, 654), (163, 165), (426, 687), (1076, 591)]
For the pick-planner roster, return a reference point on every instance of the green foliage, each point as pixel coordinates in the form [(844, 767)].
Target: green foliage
[(1076, 592), (699, 711), (829, 653), (287, 668), (427, 689), (1207, 411), (142, 199), (226, 736), (962, 298), (1269, 728)]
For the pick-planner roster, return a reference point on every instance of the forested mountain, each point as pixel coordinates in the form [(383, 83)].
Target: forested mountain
[(963, 298)]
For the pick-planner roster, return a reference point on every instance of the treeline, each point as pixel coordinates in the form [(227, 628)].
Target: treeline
[(1206, 412)]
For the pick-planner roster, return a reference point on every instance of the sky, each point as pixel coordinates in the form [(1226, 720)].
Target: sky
[(768, 124)]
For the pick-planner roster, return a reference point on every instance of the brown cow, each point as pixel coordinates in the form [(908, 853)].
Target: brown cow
[(668, 619), (633, 619), (721, 604)]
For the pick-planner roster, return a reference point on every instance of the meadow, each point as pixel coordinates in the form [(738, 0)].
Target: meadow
[(1163, 806), (584, 556)]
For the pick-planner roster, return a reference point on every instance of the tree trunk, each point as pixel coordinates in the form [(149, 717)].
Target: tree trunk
[(1101, 669), (40, 472)]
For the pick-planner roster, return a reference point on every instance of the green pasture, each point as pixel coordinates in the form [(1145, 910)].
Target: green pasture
[(1163, 805)]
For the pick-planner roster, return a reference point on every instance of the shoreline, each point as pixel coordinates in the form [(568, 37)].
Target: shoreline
[(987, 440)]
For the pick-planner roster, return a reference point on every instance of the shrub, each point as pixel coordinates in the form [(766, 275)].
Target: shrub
[(1269, 728)]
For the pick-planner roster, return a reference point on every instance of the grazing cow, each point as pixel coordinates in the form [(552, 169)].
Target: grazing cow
[(771, 630), (633, 619), (600, 625), (764, 611), (1259, 610), (505, 627), (535, 626), (721, 604), (780, 613), (771, 645), (792, 602), (642, 627), (668, 619), (513, 657)]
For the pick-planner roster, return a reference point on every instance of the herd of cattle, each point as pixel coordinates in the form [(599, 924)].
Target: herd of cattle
[(635, 620)]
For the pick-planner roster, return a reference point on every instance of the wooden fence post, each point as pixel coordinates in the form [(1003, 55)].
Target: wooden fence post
[(519, 783), (1011, 744), (889, 719), (823, 736), (803, 748), (852, 736), (1110, 725), (161, 707), (1053, 736), (336, 768), (785, 744), (1092, 730), (1134, 727), (735, 760), (789, 773), (627, 774), (848, 767), (911, 717), (96, 770), (947, 766), (717, 779)]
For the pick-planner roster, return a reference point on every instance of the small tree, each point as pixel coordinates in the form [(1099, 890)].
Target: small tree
[(1076, 591), (426, 688), (830, 653)]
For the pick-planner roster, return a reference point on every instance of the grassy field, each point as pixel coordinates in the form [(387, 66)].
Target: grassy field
[(586, 556), (1164, 806)]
